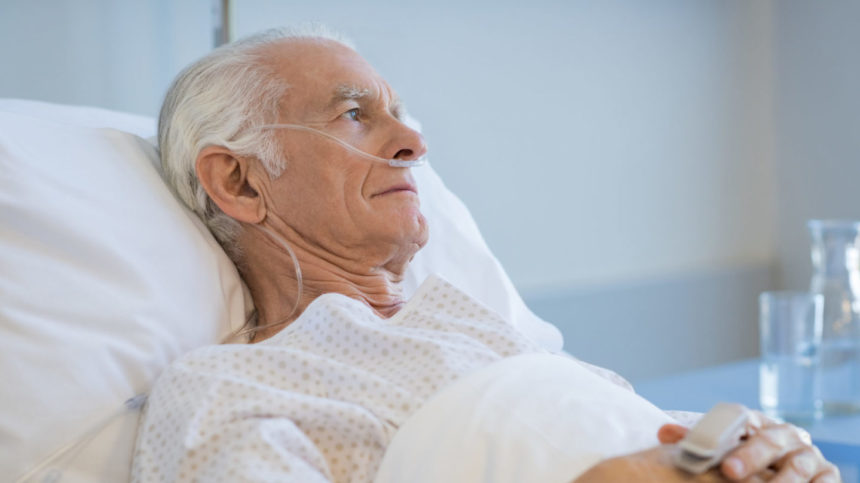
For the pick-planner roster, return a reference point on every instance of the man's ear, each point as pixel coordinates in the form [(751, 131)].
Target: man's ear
[(226, 178)]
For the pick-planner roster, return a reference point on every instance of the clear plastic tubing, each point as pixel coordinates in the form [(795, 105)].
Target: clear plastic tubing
[(397, 163)]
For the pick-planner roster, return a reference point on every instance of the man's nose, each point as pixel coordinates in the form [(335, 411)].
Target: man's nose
[(409, 144)]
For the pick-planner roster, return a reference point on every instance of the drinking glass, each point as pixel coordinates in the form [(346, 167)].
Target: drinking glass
[(789, 372)]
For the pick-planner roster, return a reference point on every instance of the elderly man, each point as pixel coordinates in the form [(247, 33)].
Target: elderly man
[(281, 143)]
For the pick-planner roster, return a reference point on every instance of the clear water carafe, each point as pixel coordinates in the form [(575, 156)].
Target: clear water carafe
[(836, 276)]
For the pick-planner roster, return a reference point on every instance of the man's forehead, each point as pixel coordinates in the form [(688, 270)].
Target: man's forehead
[(325, 73)]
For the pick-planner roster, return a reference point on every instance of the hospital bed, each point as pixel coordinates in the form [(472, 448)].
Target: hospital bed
[(107, 278)]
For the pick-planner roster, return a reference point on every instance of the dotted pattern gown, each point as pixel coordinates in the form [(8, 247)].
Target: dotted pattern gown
[(321, 400)]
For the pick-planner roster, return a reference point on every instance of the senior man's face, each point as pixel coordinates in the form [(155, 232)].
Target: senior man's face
[(348, 205)]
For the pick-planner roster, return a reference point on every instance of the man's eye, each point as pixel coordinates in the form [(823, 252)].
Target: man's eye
[(352, 114)]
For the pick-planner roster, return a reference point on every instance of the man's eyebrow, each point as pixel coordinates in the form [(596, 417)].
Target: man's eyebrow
[(346, 92)]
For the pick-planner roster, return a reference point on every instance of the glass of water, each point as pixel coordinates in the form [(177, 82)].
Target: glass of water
[(789, 372)]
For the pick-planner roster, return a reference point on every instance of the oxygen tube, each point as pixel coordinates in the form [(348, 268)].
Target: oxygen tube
[(53, 465), (396, 163)]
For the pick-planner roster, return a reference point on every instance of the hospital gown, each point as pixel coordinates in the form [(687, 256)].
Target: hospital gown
[(320, 400)]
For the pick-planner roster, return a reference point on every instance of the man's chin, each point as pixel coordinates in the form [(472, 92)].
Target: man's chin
[(423, 235)]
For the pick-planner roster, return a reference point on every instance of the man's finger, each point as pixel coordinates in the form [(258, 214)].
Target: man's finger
[(800, 465), (760, 450), (830, 474), (671, 433)]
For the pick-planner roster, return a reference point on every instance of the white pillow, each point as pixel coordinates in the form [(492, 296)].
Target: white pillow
[(106, 278), (84, 116), (457, 251)]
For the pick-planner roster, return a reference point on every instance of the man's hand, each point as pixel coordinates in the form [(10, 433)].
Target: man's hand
[(778, 447)]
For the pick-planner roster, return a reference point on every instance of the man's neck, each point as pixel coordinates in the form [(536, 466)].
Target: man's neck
[(270, 274)]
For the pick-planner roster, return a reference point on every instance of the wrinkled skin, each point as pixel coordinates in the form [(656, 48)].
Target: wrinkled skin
[(353, 224)]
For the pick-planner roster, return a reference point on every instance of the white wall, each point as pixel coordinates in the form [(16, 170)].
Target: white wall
[(618, 155), (595, 141), (818, 124), (119, 55)]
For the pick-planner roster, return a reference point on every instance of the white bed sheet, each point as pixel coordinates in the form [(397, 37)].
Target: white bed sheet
[(533, 417)]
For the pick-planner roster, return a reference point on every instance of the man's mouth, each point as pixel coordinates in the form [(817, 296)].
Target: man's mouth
[(398, 188)]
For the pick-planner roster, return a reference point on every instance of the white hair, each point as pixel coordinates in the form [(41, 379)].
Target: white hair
[(217, 101)]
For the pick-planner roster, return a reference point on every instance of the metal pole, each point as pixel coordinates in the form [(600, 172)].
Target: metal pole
[(221, 22)]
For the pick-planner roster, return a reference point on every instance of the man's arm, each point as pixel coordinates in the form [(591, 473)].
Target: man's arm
[(652, 465), (771, 450)]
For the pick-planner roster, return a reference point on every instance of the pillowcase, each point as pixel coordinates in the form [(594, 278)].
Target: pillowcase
[(457, 251), (84, 116), (105, 280), (107, 277)]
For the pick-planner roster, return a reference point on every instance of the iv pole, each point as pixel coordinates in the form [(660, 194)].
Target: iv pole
[(220, 22)]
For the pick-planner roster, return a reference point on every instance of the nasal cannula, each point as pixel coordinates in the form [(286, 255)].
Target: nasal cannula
[(51, 468), (397, 163)]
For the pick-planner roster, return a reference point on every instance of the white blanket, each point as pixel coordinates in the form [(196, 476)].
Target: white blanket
[(534, 417)]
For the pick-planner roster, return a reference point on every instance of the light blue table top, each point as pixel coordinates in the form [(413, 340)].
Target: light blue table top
[(698, 390)]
